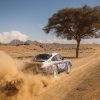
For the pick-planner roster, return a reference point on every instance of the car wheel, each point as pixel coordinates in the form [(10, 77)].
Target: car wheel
[(68, 69), (55, 71)]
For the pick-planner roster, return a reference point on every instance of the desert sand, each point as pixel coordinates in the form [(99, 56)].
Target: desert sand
[(83, 83)]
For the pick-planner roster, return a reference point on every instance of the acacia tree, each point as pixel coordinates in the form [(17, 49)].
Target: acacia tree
[(74, 23)]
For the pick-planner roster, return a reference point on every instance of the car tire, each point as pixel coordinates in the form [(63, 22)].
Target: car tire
[(68, 69)]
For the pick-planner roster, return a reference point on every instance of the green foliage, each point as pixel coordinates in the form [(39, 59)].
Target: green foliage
[(74, 23)]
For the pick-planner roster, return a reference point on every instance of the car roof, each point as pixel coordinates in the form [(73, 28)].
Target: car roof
[(49, 53)]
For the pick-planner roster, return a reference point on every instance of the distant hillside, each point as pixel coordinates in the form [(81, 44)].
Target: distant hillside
[(28, 42), (16, 42)]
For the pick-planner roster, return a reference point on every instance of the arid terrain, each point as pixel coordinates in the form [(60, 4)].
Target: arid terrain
[(83, 83)]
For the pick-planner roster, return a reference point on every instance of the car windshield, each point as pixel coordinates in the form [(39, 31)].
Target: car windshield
[(43, 57)]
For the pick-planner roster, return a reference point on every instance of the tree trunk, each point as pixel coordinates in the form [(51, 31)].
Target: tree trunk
[(77, 49)]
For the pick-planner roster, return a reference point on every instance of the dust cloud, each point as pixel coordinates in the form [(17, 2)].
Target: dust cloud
[(16, 85)]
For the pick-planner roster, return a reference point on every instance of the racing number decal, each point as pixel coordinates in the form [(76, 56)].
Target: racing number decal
[(61, 65)]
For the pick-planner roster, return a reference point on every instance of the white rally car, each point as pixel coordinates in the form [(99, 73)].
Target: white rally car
[(52, 63)]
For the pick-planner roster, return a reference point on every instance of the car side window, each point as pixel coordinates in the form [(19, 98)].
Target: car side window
[(60, 57), (54, 58), (57, 58)]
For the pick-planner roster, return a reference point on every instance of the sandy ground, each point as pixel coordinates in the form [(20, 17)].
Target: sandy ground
[(83, 83)]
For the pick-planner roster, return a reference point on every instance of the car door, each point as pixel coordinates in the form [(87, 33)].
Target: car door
[(58, 61)]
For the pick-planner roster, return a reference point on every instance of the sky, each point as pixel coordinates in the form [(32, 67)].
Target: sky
[(28, 17)]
